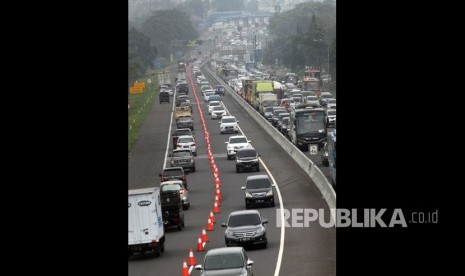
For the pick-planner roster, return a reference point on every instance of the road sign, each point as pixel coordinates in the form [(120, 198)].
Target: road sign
[(149, 81), (313, 149), (135, 90)]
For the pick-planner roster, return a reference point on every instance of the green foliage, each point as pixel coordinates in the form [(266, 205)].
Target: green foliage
[(165, 26), (304, 36), (193, 7), (228, 5), (140, 54)]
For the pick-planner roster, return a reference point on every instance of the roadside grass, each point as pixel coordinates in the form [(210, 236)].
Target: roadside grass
[(140, 106)]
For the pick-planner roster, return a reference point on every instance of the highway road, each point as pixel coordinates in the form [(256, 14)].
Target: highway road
[(306, 251)]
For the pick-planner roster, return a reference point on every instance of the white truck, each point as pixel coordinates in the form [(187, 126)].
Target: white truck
[(181, 76), (145, 222), (164, 78), (266, 100)]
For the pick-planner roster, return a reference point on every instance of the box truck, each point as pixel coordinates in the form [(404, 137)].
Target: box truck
[(146, 232)]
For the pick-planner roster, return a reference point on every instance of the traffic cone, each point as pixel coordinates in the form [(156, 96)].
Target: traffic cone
[(212, 217), (204, 235), (212, 162), (217, 181), (216, 209), (210, 225), (185, 269), (191, 257), (199, 245), (217, 200), (218, 193), (215, 170)]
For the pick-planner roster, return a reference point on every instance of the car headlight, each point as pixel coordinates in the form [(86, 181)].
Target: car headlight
[(229, 233), (248, 195), (321, 130), (269, 193), (259, 231)]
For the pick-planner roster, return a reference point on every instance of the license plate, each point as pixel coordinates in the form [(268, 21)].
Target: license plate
[(247, 166), (260, 201), (244, 239)]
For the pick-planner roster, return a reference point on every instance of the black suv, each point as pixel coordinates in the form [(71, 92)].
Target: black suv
[(258, 190), (245, 228), (247, 159), (183, 158), (180, 132), (185, 122), (174, 173), (164, 96)]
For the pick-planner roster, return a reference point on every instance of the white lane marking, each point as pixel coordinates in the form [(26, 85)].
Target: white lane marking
[(190, 269), (281, 206), (283, 229), (169, 131)]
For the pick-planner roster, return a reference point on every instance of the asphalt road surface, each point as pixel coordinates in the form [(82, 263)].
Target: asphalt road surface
[(306, 250)]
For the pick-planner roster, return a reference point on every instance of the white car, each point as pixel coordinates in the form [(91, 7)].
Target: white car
[(313, 101), (208, 94), (236, 142), (218, 112), (187, 142), (229, 124), (330, 117), (213, 104), (331, 103)]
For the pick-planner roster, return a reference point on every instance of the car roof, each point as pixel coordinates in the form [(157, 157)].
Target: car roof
[(183, 129), (173, 169), (236, 136), (260, 176), (244, 212), (228, 117), (224, 250), (171, 182), (214, 102)]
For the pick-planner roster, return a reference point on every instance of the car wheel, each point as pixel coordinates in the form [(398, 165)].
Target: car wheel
[(258, 168), (193, 169), (228, 156), (247, 206), (265, 245), (237, 169), (157, 251), (272, 204), (162, 246)]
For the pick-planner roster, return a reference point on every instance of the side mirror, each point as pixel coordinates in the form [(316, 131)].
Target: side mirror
[(198, 267), (243, 188), (258, 155), (237, 121), (250, 141), (264, 221), (219, 123), (224, 225), (249, 262), (226, 142), (273, 185)]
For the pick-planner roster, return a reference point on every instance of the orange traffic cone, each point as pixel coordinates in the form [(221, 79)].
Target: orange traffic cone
[(217, 200), (210, 225), (199, 245), (185, 269), (212, 217), (215, 170), (191, 257), (212, 162), (218, 193), (217, 181), (216, 209), (204, 235)]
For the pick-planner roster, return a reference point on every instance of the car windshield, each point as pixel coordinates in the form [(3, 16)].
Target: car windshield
[(312, 98), (285, 121), (237, 140), (326, 96), (258, 183), (171, 187), (214, 103), (243, 219), (184, 153), (228, 120), (332, 112), (185, 140), (172, 173), (246, 153), (269, 109), (216, 108), (331, 101), (224, 261)]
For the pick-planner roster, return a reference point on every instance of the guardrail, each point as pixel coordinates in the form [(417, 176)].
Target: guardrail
[(299, 157)]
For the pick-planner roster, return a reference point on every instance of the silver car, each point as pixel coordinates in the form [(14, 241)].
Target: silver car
[(226, 261)]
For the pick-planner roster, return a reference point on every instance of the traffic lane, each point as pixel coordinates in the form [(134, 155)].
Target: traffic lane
[(201, 192), (234, 200), (307, 251)]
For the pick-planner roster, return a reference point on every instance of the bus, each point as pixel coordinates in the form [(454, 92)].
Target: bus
[(307, 127), (331, 149)]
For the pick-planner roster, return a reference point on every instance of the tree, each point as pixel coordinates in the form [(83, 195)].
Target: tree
[(252, 6), (228, 5)]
